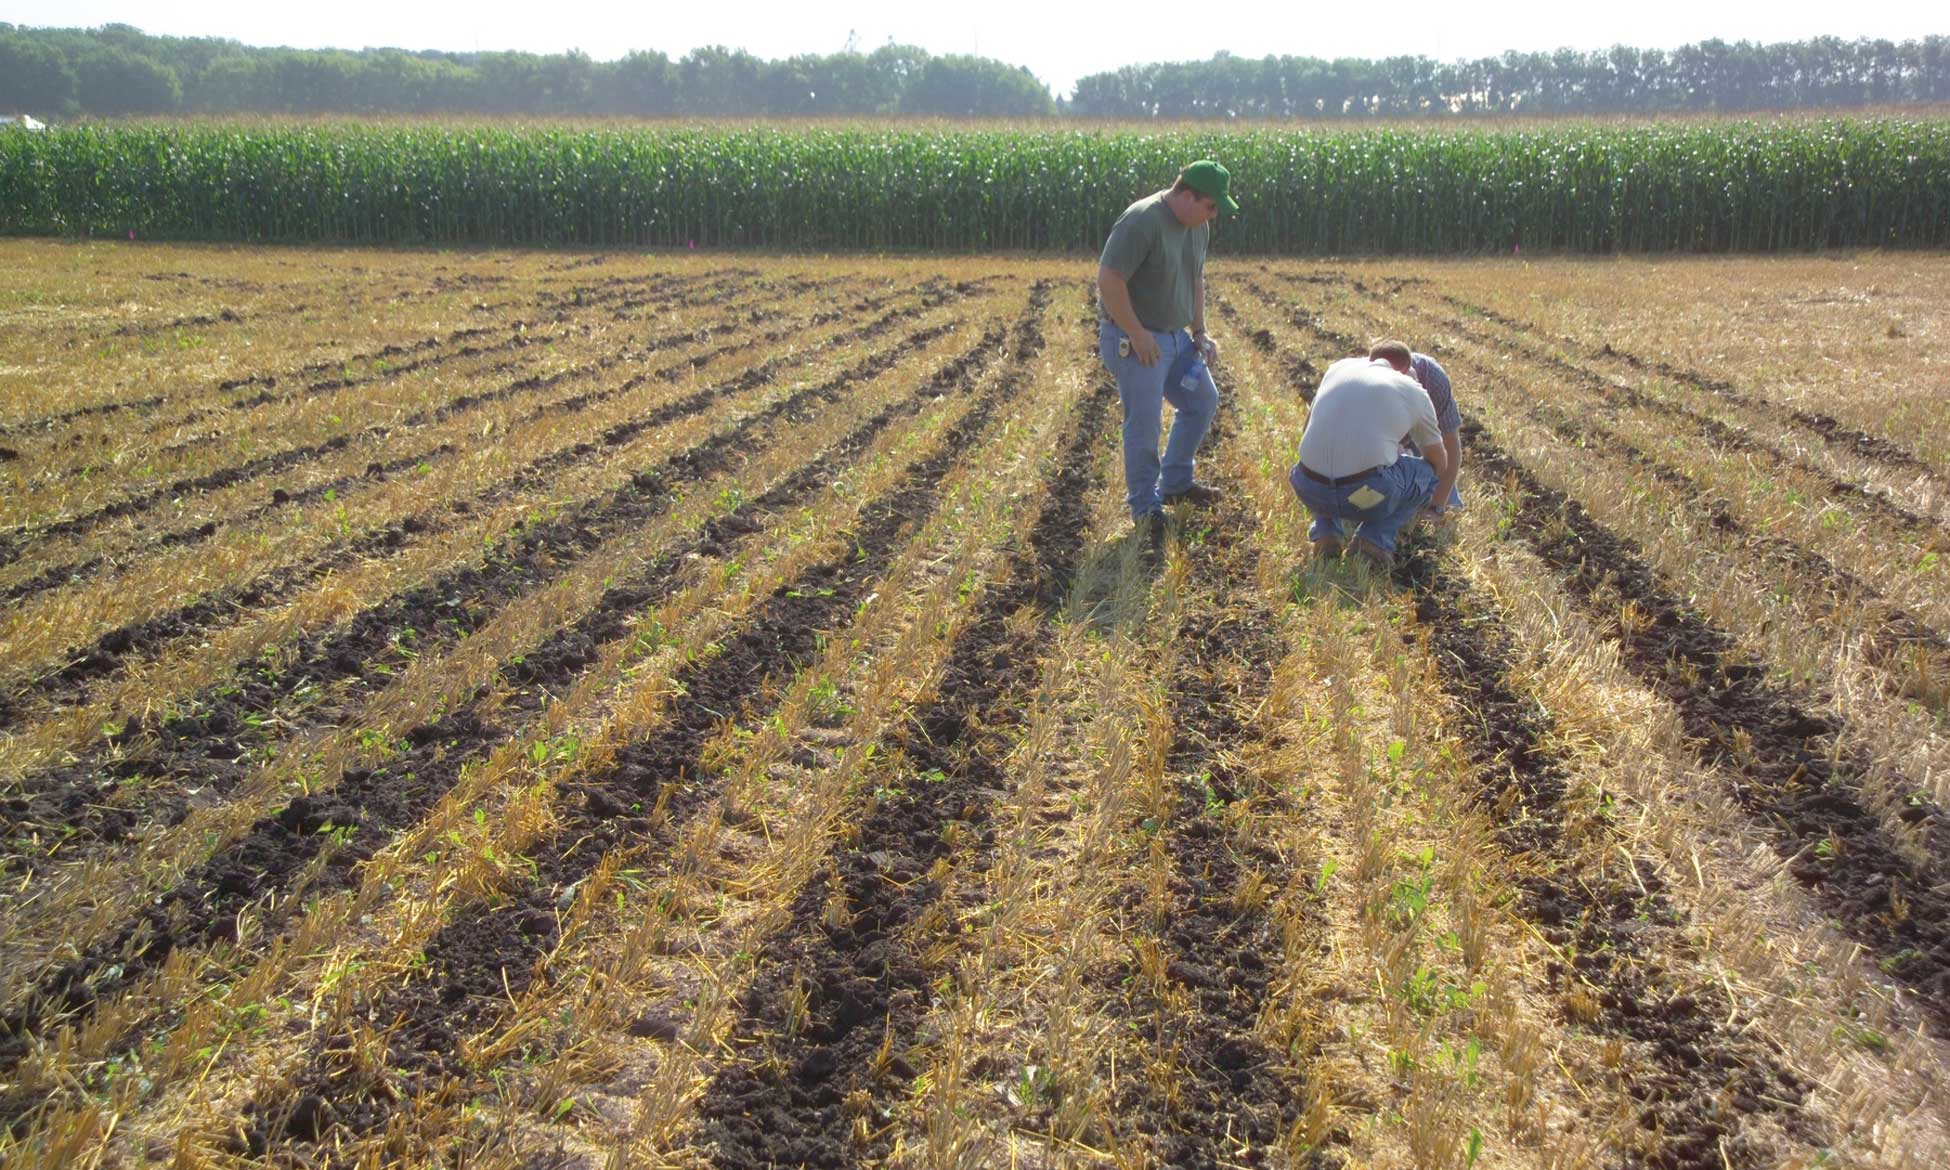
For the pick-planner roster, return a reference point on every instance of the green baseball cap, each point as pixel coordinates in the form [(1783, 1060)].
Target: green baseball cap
[(1211, 180)]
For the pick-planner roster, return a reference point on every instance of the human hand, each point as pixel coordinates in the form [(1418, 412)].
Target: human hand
[(1144, 347), (1208, 347)]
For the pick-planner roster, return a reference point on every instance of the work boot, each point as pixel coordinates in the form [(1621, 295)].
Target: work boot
[(1375, 555), (1151, 529), (1198, 495), (1328, 548)]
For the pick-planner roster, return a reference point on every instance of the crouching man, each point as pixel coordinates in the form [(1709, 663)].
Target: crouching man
[(1352, 467)]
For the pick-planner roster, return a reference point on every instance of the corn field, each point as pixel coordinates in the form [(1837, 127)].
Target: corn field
[(1568, 188)]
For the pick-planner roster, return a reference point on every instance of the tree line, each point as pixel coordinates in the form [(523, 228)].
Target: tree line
[(118, 71), (1711, 76)]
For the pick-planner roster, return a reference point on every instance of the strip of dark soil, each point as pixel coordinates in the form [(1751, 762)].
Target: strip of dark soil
[(1832, 430), (1236, 1097), (211, 749), (1791, 775), (284, 460), (1893, 642), (784, 1101), (1698, 1080), (375, 805), (64, 575), (481, 958), (658, 284), (1734, 438), (109, 653)]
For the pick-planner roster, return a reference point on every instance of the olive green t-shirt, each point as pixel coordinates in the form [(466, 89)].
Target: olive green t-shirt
[(1160, 260)]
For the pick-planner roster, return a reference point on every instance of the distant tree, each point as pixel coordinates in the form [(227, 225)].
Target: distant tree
[(640, 83), (717, 80), (35, 77), (962, 86), (114, 81)]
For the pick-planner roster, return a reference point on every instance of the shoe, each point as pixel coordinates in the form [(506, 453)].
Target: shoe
[(1329, 547), (1198, 495), (1151, 526), (1373, 553)]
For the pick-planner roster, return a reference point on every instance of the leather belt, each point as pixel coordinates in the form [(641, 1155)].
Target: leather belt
[(1337, 481)]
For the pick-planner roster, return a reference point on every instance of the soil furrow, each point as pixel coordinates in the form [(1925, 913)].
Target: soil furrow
[(1910, 652), (794, 1093), (643, 289), (284, 460), (64, 575), (1788, 771), (1234, 1096), (480, 959), (1792, 776), (1894, 641), (212, 748), (1698, 1078), (112, 651), (1831, 430), (376, 804), (1727, 435)]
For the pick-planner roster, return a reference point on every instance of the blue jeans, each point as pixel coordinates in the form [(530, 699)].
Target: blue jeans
[(1404, 486), (1143, 392)]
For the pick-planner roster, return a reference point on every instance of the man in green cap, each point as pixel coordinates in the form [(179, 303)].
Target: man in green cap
[(1151, 288)]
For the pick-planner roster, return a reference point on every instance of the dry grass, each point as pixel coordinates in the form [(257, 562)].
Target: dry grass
[(1421, 1008)]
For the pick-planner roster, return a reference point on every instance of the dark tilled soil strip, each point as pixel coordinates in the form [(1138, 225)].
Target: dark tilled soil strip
[(1897, 637), (279, 461), (690, 294), (65, 575), (211, 748), (1832, 430), (658, 283), (1894, 641), (112, 650), (374, 805), (479, 959), (784, 1100), (1697, 1079), (1790, 774), (1237, 1097), (1732, 437)]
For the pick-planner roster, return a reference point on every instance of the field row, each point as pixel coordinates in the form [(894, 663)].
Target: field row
[(819, 772)]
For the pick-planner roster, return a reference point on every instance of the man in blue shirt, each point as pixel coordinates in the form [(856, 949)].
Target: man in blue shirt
[(1430, 375)]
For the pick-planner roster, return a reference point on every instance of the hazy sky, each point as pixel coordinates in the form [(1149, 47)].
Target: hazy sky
[(1059, 42)]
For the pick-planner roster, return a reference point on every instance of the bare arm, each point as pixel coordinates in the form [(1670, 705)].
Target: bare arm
[(1446, 477), (1438, 457), (1117, 306)]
